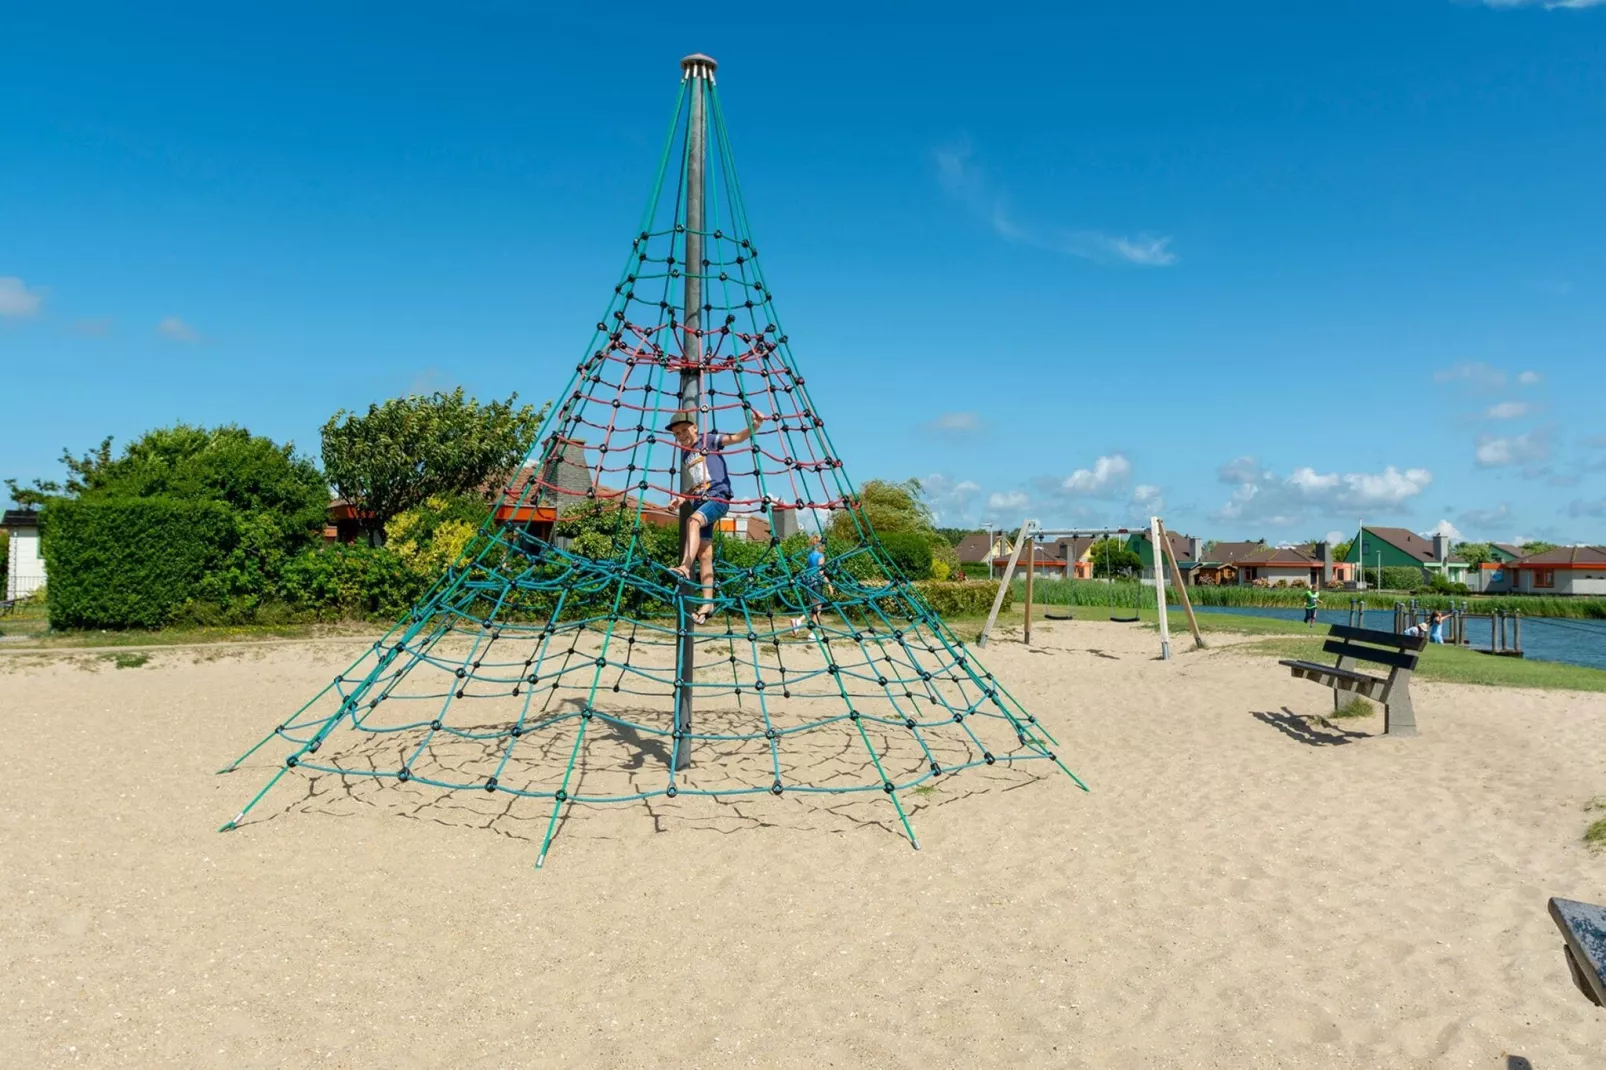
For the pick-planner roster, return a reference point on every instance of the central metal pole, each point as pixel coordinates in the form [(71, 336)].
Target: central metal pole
[(699, 69)]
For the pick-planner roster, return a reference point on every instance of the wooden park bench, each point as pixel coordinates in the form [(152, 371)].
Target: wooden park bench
[(1583, 934), (1398, 652)]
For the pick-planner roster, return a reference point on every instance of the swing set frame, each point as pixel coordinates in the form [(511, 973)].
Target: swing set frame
[(1031, 531)]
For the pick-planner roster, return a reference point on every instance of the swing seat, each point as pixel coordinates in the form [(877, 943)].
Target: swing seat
[(1123, 620), (1058, 616)]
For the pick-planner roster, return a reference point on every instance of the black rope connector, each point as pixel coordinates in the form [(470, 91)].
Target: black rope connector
[(769, 733), (435, 725), (585, 714), (908, 722), (775, 788), (672, 792), (853, 715), (1051, 757), (987, 756), (959, 718), (404, 776), (561, 796), (490, 785), (886, 786), (291, 762), (461, 672), (936, 770), (515, 731)]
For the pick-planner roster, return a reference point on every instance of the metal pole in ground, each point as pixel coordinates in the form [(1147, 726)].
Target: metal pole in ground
[(700, 70)]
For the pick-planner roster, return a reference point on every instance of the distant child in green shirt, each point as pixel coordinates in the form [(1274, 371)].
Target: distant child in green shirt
[(1313, 598)]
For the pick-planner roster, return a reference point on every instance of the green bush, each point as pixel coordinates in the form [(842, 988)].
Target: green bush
[(355, 580), (1399, 577), (910, 551), (961, 599), (130, 563)]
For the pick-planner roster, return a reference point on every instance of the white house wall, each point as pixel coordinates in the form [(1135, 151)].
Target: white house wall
[(25, 568), (1580, 582)]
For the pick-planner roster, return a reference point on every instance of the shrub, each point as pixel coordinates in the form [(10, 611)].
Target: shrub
[(910, 552), (354, 580), (1400, 577), (431, 536), (130, 563), (961, 599)]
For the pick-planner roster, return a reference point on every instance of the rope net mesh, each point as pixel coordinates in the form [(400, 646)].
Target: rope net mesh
[(547, 662)]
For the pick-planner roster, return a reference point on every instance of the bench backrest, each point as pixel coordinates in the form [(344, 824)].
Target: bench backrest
[(1384, 648)]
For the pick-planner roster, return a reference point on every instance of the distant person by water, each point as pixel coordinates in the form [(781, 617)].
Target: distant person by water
[(1313, 598), (1436, 627)]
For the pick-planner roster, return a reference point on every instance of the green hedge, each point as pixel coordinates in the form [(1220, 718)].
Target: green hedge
[(910, 551), (1401, 577), (961, 599), (354, 580), (129, 563)]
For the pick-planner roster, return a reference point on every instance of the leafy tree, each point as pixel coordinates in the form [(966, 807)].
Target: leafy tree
[(885, 507), (429, 537), (1474, 553), (1341, 549), (954, 536), (400, 454), (1537, 546), (1111, 557)]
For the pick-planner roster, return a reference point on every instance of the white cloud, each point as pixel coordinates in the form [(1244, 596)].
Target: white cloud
[(16, 299), (1530, 378), (1012, 501), (1108, 475), (1499, 452), (965, 180), (955, 423), (1335, 537), (1486, 518), (1508, 410), (950, 499), (1443, 527), (1259, 495), (176, 329), (1548, 5), (1473, 372), (1582, 508), (1147, 500)]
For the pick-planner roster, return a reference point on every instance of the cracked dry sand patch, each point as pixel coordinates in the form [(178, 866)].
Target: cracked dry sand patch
[(1232, 892)]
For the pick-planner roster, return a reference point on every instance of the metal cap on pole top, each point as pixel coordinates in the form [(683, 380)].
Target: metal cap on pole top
[(698, 65)]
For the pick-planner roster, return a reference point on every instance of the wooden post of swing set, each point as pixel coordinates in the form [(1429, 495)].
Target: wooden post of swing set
[(1159, 589), (1028, 528), (1031, 567), (1176, 578)]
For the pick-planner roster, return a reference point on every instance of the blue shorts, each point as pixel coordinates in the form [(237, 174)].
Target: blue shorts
[(711, 512)]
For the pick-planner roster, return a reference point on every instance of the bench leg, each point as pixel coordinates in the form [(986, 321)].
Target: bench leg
[(1399, 718), (1338, 696)]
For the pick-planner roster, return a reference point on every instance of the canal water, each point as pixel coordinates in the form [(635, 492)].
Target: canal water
[(1577, 642)]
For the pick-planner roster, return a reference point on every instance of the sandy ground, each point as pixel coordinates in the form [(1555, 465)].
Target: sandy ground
[(1244, 886)]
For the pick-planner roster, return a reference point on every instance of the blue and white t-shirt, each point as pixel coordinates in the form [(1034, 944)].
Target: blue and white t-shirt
[(706, 474)]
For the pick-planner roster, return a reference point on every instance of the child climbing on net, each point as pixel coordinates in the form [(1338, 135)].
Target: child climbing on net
[(707, 486)]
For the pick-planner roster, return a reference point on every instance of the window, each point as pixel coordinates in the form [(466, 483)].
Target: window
[(1544, 577)]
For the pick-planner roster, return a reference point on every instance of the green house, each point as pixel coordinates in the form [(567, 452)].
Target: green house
[(1403, 548)]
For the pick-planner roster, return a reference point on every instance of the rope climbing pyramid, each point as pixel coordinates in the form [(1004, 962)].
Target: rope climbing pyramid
[(650, 612)]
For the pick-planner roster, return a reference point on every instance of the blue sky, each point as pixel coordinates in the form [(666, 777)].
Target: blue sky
[(1264, 267)]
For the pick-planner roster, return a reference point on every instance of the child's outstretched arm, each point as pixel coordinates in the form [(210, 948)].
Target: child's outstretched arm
[(747, 432)]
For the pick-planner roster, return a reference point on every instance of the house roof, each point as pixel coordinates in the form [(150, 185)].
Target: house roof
[(1409, 542), (1075, 547), (1509, 548), (1228, 553), (20, 518), (1566, 557), (973, 548), (1279, 557)]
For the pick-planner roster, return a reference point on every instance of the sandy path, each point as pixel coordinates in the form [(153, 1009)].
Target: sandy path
[(1235, 891)]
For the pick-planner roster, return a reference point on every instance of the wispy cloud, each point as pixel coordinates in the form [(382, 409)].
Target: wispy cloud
[(965, 180), (1508, 410), (1474, 373), (176, 329), (1443, 527), (1486, 518), (950, 499), (1531, 378), (1548, 5), (1107, 478), (1577, 508), (1501, 451), (17, 300), (99, 327), (1007, 501), (1261, 496), (955, 423)]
